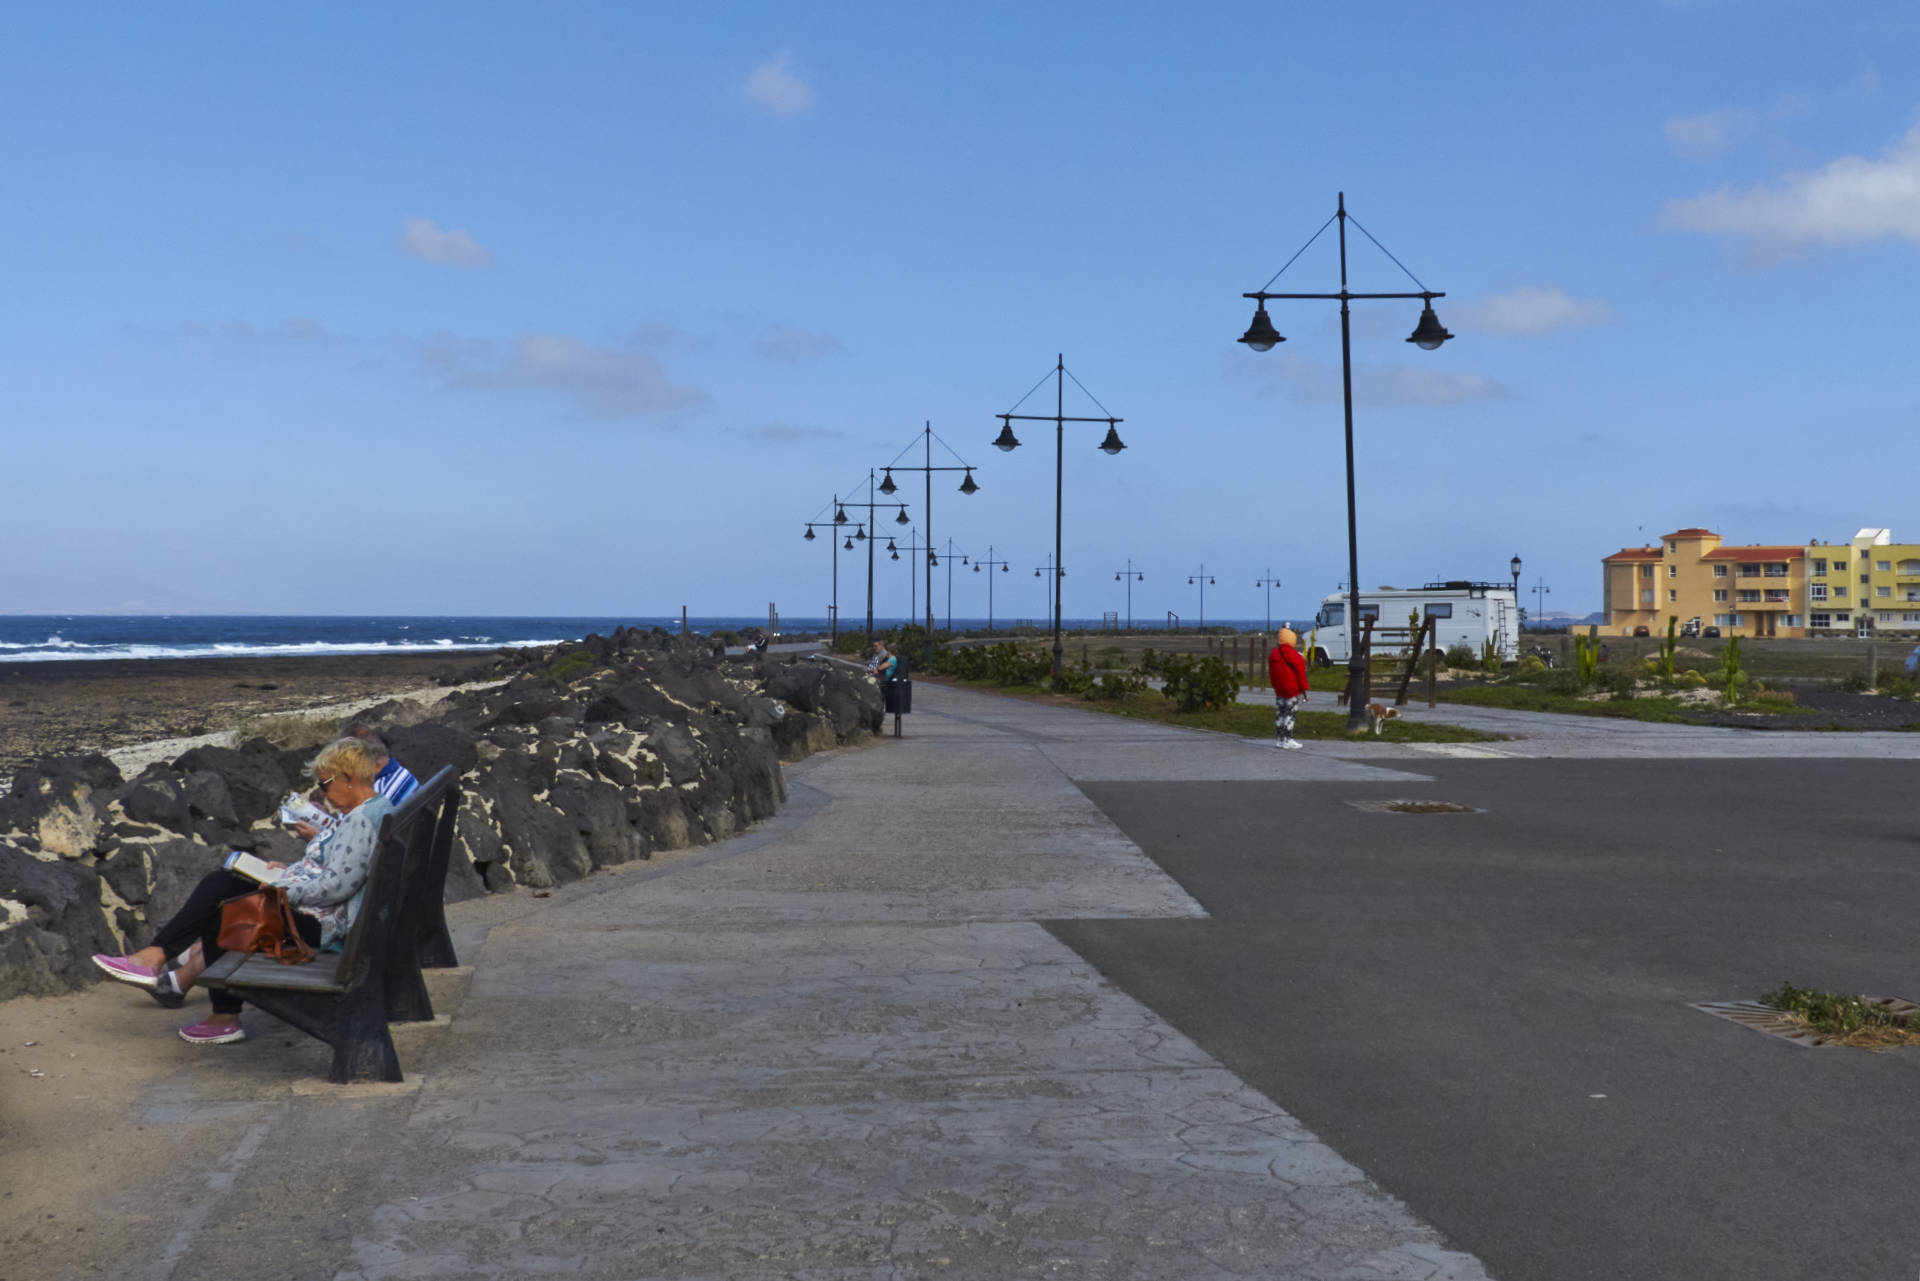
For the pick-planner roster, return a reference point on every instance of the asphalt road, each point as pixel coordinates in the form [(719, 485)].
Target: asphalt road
[(1488, 1012)]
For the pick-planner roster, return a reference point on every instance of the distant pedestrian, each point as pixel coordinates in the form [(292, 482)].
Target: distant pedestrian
[(881, 663), (1288, 672)]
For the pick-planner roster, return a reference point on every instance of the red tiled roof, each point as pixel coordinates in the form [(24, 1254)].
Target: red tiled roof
[(1691, 533), (1756, 553), (1633, 553)]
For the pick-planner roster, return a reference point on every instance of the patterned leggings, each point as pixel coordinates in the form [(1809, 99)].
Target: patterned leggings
[(1283, 710)]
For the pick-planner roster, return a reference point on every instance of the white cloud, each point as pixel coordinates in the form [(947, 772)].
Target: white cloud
[(1852, 201), (1375, 386), (607, 382), (423, 240), (1532, 309), (1698, 137), (774, 85), (782, 343)]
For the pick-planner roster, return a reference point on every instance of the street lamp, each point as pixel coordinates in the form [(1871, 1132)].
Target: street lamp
[(1269, 582), (989, 562), (834, 532), (1202, 579), (1053, 601), (1130, 576), (967, 486), (913, 579), (1514, 565), (1427, 335), (963, 560), (1110, 446), (1540, 592)]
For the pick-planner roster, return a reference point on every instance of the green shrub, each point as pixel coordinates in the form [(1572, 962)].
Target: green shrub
[(1562, 681), (1075, 679), (1119, 686), (570, 665), (1531, 665), (1853, 683), (1196, 685), (1490, 656), (1689, 679), (1586, 658), (292, 731), (1010, 665), (1731, 677), (1834, 1013), (1774, 697), (1898, 687), (1461, 656), (1668, 644), (1621, 682)]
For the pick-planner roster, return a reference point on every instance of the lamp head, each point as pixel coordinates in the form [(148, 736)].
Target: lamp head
[(1514, 565), (1261, 335), (849, 546), (886, 483), (809, 533), (1003, 569), (1112, 444), (1429, 333), (839, 514), (860, 534), (901, 519), (967, 486), (891, 547), (1006, 441), (896, 556)]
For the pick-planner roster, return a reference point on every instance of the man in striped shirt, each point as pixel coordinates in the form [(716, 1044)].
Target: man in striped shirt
[(394, 780)]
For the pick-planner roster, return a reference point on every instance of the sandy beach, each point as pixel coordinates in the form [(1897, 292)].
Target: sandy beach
[(55, 707)]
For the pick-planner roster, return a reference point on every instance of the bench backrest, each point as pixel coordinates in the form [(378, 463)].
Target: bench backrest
[(406, 836)]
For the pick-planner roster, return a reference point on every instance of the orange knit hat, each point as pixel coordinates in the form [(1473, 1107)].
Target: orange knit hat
[(1288, 636)]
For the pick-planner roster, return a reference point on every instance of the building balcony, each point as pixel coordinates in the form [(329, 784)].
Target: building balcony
[(1778, 606)]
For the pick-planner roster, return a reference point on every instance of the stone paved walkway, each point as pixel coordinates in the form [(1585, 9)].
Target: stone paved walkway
[(841, 1046)]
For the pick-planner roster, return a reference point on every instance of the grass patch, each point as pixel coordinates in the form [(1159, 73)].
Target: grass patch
[(292, 730), (1527, 698), (1848, 1020)]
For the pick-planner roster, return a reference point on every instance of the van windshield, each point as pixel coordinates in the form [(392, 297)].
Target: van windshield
[(1332, 615)]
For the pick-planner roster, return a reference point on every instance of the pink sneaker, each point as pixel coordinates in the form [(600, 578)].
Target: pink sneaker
[(119, 967), (207, 1032)]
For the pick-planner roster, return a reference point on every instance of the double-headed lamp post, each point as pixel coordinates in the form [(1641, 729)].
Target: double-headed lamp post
[(1540, 592), (1427, 335), (989, 562), (1202, 579), (967, 486), (913, 579), (834, 530), (1056, 573), (1129, 576), (1268, 581), (1007, 441)]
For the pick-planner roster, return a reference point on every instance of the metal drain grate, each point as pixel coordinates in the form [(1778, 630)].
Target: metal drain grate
[(1764, 1018), (1413, 807)]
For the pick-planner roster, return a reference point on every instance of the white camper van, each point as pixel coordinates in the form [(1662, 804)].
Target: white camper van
[(1464, 613)]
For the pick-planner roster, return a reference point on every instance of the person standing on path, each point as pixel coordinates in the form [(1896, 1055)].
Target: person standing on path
[(1288, 672)]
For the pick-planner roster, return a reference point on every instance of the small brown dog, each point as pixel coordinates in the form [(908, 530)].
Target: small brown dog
[(1378, 714)]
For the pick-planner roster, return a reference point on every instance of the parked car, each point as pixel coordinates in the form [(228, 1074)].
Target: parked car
[(1710, 633), (1691, 627), (1643, 630)]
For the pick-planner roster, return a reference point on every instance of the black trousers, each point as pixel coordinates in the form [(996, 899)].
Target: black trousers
[(198, 921)]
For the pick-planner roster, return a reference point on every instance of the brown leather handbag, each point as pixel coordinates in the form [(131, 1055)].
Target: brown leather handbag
[(263, 922)]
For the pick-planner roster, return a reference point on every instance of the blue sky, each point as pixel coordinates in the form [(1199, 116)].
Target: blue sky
[(587, 309)]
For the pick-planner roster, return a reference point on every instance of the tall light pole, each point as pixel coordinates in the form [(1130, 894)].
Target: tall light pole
[(1130, 576), (1540, 592), (913, 580), (1202, 579), (1269, 582), (989, 562), (1053, 600), (927, 469), (963, 560), (1427, 335), (871, 504), (1006, 441), (834, 531)]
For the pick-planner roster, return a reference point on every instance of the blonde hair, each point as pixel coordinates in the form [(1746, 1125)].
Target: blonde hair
[(347, 757)]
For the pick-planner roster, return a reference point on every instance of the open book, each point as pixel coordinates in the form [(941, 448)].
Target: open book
[(298, 809), (254, 869)]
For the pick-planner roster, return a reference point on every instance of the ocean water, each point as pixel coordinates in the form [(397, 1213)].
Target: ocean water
[(66, 637)]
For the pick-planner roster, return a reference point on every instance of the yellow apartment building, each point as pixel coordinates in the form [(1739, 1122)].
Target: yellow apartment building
[(1749, 590), (1868, 585)]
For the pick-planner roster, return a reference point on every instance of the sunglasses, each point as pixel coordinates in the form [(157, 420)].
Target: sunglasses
[(325, 783)]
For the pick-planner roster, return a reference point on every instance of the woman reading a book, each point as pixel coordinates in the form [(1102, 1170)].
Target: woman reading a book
[(323, 887)]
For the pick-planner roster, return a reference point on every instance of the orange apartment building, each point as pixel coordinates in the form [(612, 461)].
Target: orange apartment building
[(1742, 590)]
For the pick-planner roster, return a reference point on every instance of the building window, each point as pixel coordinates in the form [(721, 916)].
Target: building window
[(1910, 569), (1749, 598), (1673, 571), (1883, 591), (1882, 566), (1839, 592), (1791, 620), (1820, 568), (1724, 620), (1819, 591), (1672, 596), (1442, 610), (1819, 620), (1886, 618), (1719, 571), (1776, 570), (1673, 549), (1719, 595), (1749, 571), (1843, 617), (1864, 578), (1910, 618), (1646, 571)]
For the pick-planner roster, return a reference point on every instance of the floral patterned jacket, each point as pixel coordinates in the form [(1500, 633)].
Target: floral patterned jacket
[(330, 881)]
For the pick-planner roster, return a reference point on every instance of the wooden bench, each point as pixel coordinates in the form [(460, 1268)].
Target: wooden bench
[(347, 998)]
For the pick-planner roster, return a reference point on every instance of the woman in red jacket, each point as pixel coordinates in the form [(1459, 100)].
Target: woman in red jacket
[(1288, 672)]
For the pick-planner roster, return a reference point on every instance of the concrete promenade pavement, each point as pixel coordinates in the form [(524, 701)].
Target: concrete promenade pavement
[(840, 1046)]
